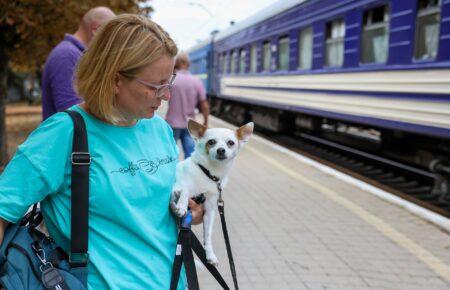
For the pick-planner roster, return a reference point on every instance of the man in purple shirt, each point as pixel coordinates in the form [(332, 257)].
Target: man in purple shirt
[(58, 92), (187, 94)]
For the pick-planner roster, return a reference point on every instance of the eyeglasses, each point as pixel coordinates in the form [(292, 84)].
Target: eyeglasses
[(160, 90)]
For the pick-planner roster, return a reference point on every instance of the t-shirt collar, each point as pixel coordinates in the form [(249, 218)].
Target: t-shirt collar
[(75, 41)]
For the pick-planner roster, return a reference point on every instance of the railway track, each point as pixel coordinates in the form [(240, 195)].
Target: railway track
[(413, 184)]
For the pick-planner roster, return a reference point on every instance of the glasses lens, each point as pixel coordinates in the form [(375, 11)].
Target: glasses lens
[(163, 91)]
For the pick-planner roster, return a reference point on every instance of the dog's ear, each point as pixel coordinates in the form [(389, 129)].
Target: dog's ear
[(196, 130), (245, 132)]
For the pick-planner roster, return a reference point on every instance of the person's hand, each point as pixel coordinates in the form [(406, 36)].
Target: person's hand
[(197, 212)]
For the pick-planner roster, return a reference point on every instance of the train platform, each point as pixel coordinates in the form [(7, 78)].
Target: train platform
[(293, 226)]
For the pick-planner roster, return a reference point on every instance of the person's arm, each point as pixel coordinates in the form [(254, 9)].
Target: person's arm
[(37, 169), (3, 225), (202, 102), (63, 92), (204, 109)]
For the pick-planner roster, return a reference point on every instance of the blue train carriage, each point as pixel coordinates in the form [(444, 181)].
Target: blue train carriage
[(200, 56), (374, 71)]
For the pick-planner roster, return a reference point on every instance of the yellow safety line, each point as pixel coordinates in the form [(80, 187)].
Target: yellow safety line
[(425, 256)]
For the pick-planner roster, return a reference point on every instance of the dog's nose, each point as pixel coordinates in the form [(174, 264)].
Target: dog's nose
[(221, 151)]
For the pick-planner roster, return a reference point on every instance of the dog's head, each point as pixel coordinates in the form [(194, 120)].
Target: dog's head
[(219, 144)]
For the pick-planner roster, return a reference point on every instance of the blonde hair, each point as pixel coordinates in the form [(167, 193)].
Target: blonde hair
[(124, 45)]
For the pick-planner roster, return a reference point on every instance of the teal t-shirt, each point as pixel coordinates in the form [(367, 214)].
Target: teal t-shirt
[(132, 234)]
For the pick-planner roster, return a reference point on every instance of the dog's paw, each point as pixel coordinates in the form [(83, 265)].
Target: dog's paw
[(212, 259), (175, 205), (178, 209), (175, 196)]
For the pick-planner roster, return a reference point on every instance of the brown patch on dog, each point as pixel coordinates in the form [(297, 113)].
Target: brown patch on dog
[(207, 147), (242, 131), (196, 129)]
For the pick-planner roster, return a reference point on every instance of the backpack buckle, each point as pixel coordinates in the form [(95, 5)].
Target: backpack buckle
[(81, 158), (78, 259)]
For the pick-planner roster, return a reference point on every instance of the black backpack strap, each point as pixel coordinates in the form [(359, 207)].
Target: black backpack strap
[(81, 161)]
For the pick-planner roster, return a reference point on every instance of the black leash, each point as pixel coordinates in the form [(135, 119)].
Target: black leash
[(187, 242), (227, 242), (221, 207), (184, 254)]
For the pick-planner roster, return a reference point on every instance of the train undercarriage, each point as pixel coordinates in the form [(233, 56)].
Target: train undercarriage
[(427, 153)]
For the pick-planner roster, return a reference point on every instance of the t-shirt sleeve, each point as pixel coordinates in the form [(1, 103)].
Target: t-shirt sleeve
[(38, 169), (64, 95)]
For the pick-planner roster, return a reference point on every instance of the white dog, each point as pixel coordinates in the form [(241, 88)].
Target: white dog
[(205, 170)]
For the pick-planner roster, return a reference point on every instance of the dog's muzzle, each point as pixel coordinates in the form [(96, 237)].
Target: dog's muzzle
[(221, 154)]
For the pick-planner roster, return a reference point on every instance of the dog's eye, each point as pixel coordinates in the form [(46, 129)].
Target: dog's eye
[(211, 142), (230, 143)]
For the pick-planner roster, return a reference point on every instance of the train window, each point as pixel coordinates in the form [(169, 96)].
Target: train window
[(305, 48), (267, 56), (283, 53), (225, 63), (334, 54), (221, 61), (253, 58), (242, 61), (427, 29), (233, 62), (375, 36)]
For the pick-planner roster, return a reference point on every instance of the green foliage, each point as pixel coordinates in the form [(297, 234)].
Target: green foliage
[(29, 29)]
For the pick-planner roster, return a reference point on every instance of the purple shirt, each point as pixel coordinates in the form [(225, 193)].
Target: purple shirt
[(187, 92), (58, 93)]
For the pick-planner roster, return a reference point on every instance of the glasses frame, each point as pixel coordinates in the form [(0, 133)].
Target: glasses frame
[(158, 88)]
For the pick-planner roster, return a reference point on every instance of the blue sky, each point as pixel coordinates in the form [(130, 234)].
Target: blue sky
[(189, 22)]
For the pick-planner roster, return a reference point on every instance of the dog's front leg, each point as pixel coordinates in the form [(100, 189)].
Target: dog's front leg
[(208, 223), (179, 202)]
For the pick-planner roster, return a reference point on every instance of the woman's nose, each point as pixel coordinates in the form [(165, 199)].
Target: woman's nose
[(166, 96)]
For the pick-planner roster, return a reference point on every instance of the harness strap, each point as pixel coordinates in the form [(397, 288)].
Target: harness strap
[(206, 171)]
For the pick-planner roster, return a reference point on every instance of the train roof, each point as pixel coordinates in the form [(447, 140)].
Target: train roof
[(199, 45), (272, 10)]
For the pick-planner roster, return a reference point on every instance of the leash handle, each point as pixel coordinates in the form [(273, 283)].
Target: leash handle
[(186, 221), (183, 255)]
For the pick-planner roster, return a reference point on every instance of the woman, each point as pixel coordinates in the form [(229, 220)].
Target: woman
[(123, 78)]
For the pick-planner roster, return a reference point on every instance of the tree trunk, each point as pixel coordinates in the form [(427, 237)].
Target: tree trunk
[(3, 94)]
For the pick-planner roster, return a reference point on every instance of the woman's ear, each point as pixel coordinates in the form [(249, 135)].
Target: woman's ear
[(117, 84)]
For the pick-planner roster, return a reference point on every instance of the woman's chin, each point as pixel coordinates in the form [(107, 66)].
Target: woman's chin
[(149, 114)]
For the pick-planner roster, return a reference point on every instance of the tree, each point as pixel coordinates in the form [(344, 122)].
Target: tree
[(29, 29)]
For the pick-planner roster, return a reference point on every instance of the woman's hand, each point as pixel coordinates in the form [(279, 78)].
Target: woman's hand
[(197, 212)]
